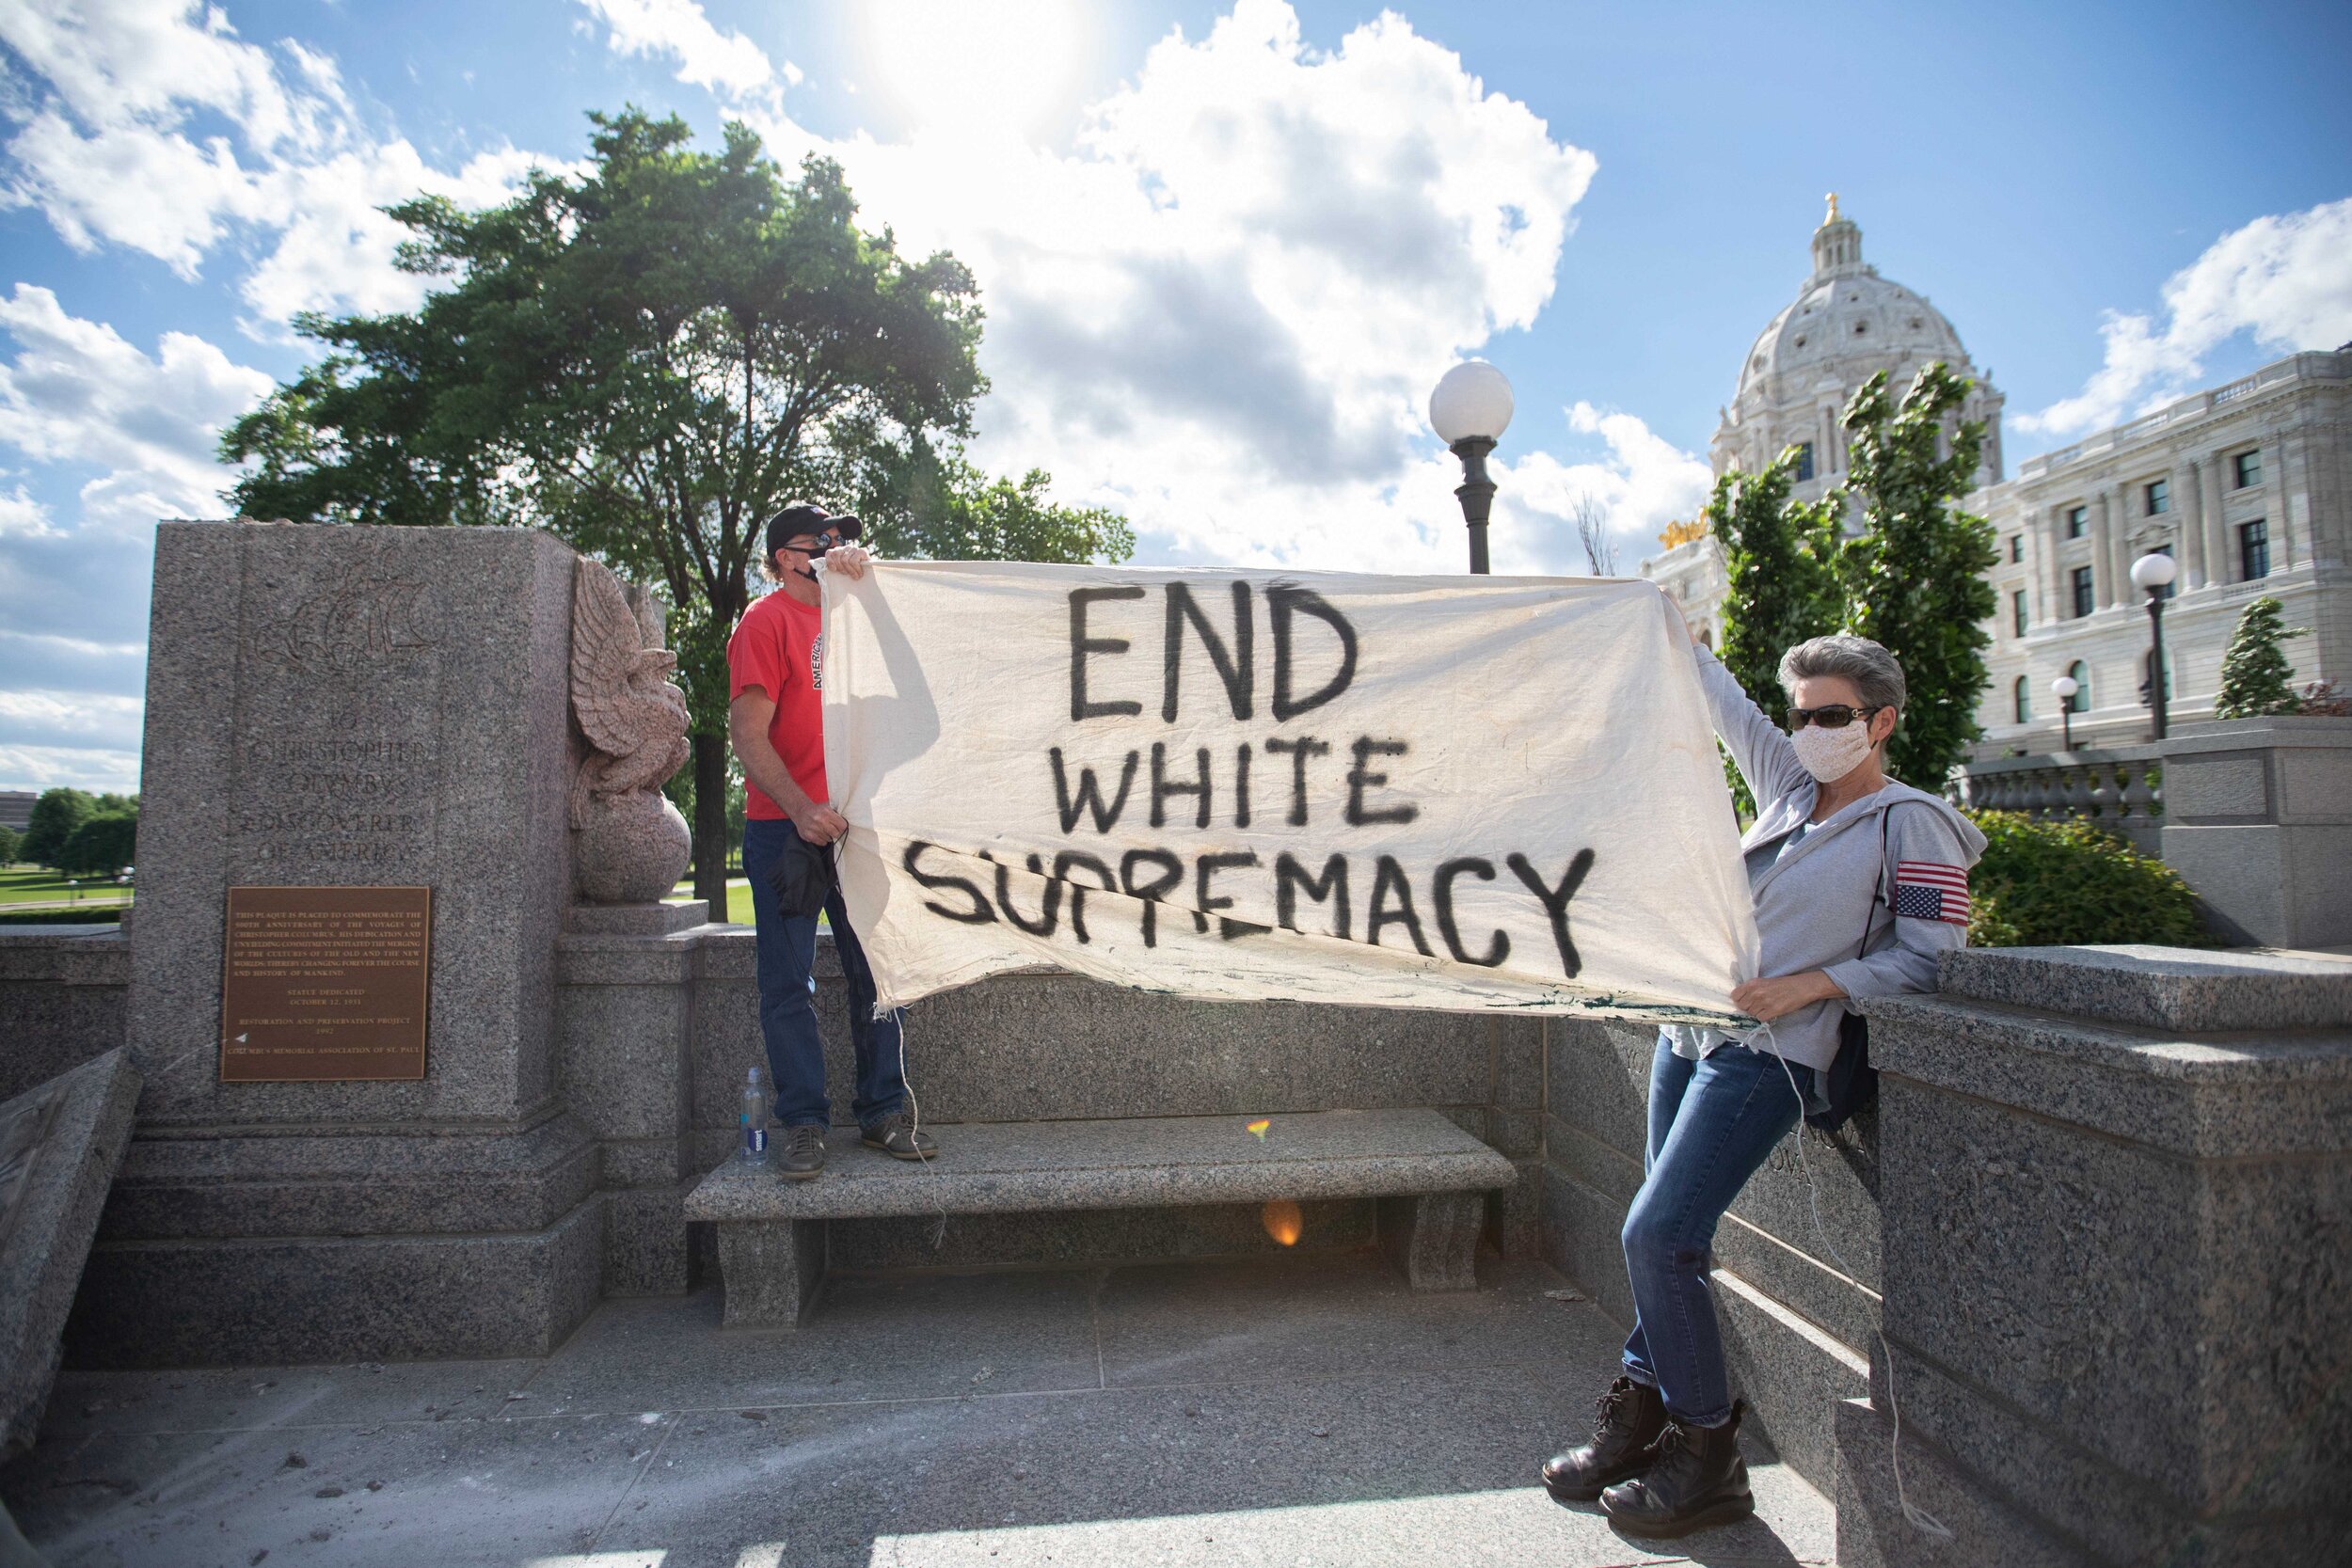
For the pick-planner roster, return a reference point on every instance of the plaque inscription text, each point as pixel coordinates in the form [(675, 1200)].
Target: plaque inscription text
[(323, 983)]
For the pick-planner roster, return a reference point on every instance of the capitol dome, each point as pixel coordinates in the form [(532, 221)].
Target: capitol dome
[(1846, 325)]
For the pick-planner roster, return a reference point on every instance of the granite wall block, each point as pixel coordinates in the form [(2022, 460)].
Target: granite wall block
[(1873, 1531), (1791, 1373), (2119, 1255), (368, 1298), (1046, 1045), (61, 1001), (59, 1145), (645, 1251)]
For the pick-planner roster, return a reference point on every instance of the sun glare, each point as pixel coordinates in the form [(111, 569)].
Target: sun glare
[(977, 65)]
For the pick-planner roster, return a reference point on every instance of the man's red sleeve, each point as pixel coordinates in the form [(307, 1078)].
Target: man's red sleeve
[(756, 658)]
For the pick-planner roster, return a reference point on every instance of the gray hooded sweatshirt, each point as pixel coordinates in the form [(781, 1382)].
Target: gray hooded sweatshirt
[(1875, 921)]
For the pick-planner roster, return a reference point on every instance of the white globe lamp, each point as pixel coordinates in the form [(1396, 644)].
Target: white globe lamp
[(2063, 689), (2152, 574), (1472, 402), (1469, 409)]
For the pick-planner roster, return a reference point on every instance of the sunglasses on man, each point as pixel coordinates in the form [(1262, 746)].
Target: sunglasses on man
[(825, 543), (1830, 716)]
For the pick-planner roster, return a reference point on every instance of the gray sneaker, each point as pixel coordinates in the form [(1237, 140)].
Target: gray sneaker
[(804, 1153), (894, 1137)]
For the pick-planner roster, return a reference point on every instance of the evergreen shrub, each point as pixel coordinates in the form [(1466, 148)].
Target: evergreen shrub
[(2066, 883)]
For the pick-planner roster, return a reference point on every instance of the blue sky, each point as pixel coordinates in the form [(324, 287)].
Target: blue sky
[(1225, 248)]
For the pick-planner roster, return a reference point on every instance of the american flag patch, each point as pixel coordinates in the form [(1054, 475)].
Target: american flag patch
[(1927, 890)]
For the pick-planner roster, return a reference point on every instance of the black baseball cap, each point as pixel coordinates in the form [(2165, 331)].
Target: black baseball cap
[(808, 517)]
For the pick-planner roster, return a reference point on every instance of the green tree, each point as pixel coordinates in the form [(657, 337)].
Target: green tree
[(946, 509), (1912, 580), (56, 815), (649, 357), (102, 846), (2256, 678), (9, 838), (1775, 554)]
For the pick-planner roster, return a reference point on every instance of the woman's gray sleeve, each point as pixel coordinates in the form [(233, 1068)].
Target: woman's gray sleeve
[(1916, 835), (1760, 747)]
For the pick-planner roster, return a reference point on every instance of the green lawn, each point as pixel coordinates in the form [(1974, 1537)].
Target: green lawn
[(32, 884), (739, 897)]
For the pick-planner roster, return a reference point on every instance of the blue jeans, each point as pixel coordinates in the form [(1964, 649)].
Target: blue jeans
[(787, 1007), (1711, 1123)]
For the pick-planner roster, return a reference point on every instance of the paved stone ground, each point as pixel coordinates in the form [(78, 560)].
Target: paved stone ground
[(1296, 1411)]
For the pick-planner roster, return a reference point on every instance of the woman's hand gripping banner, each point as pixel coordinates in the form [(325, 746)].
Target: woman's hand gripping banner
[(1403, 792)]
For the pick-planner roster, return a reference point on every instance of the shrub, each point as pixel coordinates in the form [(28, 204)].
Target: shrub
[(2256, 678), (2049, 883)]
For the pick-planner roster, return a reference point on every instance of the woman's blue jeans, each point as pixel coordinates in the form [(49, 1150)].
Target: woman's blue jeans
[(787, 1005), (1711, 1123)]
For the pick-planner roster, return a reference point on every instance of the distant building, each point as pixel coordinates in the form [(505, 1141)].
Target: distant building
[(16, 808), (2248, 486)]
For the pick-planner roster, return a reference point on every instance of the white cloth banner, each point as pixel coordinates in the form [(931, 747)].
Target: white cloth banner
[(1452, 792)]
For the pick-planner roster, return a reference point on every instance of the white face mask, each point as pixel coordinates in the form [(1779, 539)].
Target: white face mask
[(1831, 755)]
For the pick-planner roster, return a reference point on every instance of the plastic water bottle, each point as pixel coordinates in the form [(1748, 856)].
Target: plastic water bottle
[(755, 1119)]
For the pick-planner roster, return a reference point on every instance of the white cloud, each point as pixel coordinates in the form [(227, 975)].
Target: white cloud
[(153, 127), (1221, 310), (148, 62), (150, 190), (336, 244), (2286, 281), (77, 397), (25, 518), (69, 719), (1645, 483), (724, 62), (103, 770), (77, 392)]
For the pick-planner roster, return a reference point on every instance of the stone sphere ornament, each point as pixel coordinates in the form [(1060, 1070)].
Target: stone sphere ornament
[(632, 849)]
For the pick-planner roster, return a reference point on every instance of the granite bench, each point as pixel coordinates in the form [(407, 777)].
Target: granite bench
[(1430, 1179)]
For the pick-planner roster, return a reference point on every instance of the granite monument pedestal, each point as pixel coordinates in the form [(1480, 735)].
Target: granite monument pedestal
[(352, 706)]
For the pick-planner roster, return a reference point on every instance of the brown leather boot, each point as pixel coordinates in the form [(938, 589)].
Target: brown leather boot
[(1625, 1422), (1698, 1478)]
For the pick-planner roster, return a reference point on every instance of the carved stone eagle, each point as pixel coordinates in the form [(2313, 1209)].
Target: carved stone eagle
[(634, 720)]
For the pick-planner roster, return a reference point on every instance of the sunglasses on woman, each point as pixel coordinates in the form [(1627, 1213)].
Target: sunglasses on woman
[(1830, 716)]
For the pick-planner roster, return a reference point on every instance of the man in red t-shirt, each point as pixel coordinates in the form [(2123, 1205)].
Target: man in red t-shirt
[(775, 673)]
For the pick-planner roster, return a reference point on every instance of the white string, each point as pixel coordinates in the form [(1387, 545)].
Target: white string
[(1919, 1518), (915, 1126)]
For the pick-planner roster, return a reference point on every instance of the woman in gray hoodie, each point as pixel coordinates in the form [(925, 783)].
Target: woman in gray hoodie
[(1860, 882)]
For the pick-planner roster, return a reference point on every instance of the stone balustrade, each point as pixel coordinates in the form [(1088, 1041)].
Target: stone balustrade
[(2120, 788)]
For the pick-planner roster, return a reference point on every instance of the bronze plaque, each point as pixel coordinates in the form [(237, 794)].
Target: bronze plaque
[(321, 983)]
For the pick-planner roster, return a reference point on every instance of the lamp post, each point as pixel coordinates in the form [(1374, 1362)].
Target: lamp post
[(2063, 689), (1470, 410), (2152, 574)]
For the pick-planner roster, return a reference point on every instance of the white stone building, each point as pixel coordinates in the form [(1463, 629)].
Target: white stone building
[(2248, 486)]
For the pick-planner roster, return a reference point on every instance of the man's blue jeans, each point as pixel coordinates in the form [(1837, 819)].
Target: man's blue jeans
[(787, 1007), (1711, 1123)]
